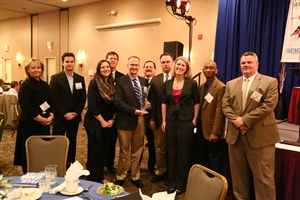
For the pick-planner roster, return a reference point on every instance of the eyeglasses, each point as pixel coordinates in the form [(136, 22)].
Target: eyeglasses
[(209, 67)]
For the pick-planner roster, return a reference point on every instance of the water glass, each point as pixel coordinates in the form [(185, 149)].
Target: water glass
[(51, 173), (14, 193), (44, 185)]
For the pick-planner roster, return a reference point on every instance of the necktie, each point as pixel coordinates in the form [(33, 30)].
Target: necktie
[(137, 92), (166, 77), (244, 97)]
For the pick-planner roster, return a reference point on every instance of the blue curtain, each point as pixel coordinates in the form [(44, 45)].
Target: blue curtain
[(258, 26)]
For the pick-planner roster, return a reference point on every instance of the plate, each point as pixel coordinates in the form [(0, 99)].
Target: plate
[(31, 193), (121, 191), (64, 191)]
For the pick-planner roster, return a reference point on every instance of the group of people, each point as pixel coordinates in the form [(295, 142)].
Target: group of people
[(60, 103), (170, 109)]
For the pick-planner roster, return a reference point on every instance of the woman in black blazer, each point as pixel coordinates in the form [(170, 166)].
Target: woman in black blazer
[(37, 109), (180, 106), (99, 120)]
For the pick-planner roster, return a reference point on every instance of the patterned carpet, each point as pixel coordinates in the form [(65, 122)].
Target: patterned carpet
[(7, 146)]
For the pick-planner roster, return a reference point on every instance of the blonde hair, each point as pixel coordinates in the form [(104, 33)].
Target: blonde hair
[(188, 72), (37, 61)]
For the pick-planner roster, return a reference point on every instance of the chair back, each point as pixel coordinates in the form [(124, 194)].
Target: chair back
[(200, 186), (10, 110), (42, 150), (2, 122)]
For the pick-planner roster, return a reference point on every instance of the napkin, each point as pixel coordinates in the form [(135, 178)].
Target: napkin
[(158, 196), (76, 170), (57, 188), (73, 173)]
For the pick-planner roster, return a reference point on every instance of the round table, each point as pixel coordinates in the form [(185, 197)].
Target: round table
[(82, 183)]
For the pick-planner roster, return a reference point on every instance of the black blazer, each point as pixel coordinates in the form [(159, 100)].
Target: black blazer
[(64, 100), (118, 75), (155, 98), (126, 101), (189, 96)]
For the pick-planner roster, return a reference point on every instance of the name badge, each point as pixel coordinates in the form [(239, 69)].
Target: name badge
[(44, 106), (78, 86), (256, 96), (208, 97)]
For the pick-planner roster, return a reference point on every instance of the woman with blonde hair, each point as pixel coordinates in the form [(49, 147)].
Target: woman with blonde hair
[(37, 109), (180, 107)]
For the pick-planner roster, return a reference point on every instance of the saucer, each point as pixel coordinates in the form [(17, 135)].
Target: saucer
[(64, 191), (31, 193)]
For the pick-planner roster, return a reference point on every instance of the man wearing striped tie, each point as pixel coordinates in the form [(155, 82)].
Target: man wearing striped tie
[(130, 121)]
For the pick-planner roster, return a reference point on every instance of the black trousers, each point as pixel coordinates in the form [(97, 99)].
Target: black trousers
[(209, 154), (98, 154), (112, 151), (151, 148), (70, 128)]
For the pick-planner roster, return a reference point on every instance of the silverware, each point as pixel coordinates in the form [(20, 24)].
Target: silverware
[(86, 197), (87, 189)]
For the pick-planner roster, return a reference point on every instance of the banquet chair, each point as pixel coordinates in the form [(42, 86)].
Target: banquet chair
[(2, 122), (42, 150), (202, 186)]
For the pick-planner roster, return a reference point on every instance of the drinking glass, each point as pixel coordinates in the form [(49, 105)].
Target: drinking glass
[(51, 173), (44, 184)]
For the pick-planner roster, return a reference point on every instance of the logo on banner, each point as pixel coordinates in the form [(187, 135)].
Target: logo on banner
[(296, 34)]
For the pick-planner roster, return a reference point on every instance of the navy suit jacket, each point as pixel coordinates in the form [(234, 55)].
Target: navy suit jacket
[(127, 102), (64, 100)]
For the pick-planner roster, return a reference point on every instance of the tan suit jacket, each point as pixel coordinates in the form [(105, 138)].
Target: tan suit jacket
[(212, 114), (258, 115)]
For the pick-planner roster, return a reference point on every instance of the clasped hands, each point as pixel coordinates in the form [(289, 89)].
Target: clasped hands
[(239, 123)]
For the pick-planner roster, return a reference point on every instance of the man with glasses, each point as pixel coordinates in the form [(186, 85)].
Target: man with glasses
[(155, 98), (210, 128), (130, 122)]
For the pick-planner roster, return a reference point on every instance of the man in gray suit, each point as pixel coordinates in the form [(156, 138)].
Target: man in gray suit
[(155, 97), (130, 121), (248, 103)]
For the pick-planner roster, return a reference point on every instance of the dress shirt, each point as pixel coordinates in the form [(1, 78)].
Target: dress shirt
[(71, 82)]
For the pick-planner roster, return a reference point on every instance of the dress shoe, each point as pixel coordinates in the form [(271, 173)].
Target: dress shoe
[(156, 178), (120, 182), (137, 183), (111, 170), (178, 192), (171, 190)]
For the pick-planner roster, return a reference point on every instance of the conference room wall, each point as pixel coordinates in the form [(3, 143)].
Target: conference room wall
[(75, 29)]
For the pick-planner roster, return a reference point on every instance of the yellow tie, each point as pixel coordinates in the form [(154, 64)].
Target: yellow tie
[(245, 87)]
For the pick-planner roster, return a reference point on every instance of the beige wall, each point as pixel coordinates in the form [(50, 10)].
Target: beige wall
[(74, 29)]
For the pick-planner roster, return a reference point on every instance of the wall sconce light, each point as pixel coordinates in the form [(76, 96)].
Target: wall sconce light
[(19, 58), (49, 45), (80, 57), (112, 13)]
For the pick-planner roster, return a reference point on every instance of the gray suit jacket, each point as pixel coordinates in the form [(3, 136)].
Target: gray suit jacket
[(155, 98), (126, 101), (258, 115)]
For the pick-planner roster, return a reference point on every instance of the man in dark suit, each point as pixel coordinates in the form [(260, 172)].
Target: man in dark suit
[(155, 97), (69, 95), (130, 122), (149, 72), (248, 103), (113, 59), (210, 129)]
